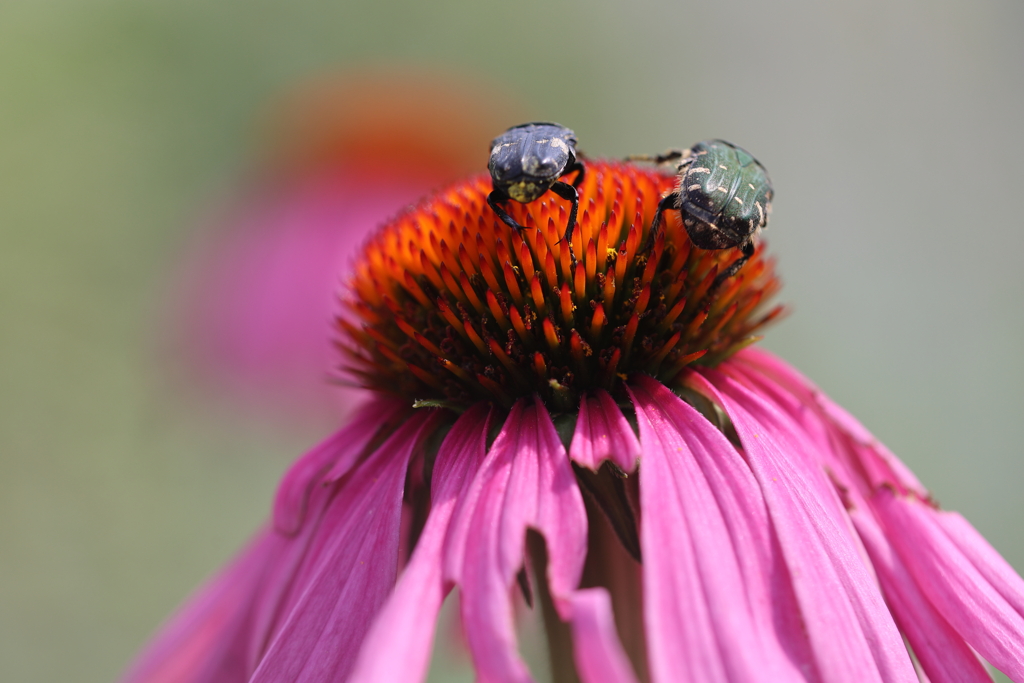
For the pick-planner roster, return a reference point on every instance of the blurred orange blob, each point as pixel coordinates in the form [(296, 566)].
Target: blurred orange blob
[(386, 123)]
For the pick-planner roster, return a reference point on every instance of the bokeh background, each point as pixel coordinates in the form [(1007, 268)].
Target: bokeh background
[(892, 130)]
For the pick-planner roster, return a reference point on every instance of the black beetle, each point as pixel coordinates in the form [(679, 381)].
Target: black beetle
[(724, 198), (527, 161)]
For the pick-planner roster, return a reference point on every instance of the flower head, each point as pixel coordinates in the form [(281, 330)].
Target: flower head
[(601, 439), (452, 305)]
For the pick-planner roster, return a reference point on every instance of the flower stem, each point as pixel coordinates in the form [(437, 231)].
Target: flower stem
[(559, 636)]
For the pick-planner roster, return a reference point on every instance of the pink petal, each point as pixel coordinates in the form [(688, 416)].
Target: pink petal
[(850, 629), (525, 480), (398, 645), (349, 570), (202, 642), (597, 651), (602, 433), (943, 654), (955, 569), (485, 577), (389, 413), (334, 456), (984, 557), (717, 599)]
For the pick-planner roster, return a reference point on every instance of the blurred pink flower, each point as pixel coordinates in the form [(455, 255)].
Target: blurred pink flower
[(342, 154), (751, 532)]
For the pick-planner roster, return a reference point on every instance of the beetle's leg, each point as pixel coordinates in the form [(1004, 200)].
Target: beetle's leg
[(567, 191), (576, 166), (669, 201), (747, 249), (687, 160), (492, 200), (663, 158), (672, 155)]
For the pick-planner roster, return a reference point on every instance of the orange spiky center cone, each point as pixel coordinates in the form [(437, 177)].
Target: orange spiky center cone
[(448, 304)]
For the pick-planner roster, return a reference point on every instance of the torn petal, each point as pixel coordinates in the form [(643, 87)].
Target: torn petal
[(525, 481)]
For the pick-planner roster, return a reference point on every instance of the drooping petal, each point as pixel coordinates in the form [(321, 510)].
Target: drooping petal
[(996, 570), (952, 566), (717, 600), (397, 648), (943, 654), (348, 571), (602, 433), (560, 517), (871, 456), (205, 641), (334, 456), (881, 466), (259, 585), (851, 631)]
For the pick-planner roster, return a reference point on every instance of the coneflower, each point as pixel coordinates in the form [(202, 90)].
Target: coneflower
[(602, 438), (340, 154)]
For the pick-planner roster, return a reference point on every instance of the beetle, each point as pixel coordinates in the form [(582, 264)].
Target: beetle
[(527, 161), (724, 198)]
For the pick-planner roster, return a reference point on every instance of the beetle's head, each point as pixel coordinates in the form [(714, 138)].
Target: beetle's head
[(525, 175)]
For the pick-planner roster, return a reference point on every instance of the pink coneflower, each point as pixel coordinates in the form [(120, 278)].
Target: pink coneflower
[(604, 441), (340, 154)]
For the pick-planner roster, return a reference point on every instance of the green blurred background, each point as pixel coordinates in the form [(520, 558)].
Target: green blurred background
[(893, 132)]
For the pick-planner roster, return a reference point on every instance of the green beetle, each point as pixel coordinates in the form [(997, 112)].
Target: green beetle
[(724, 198)]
